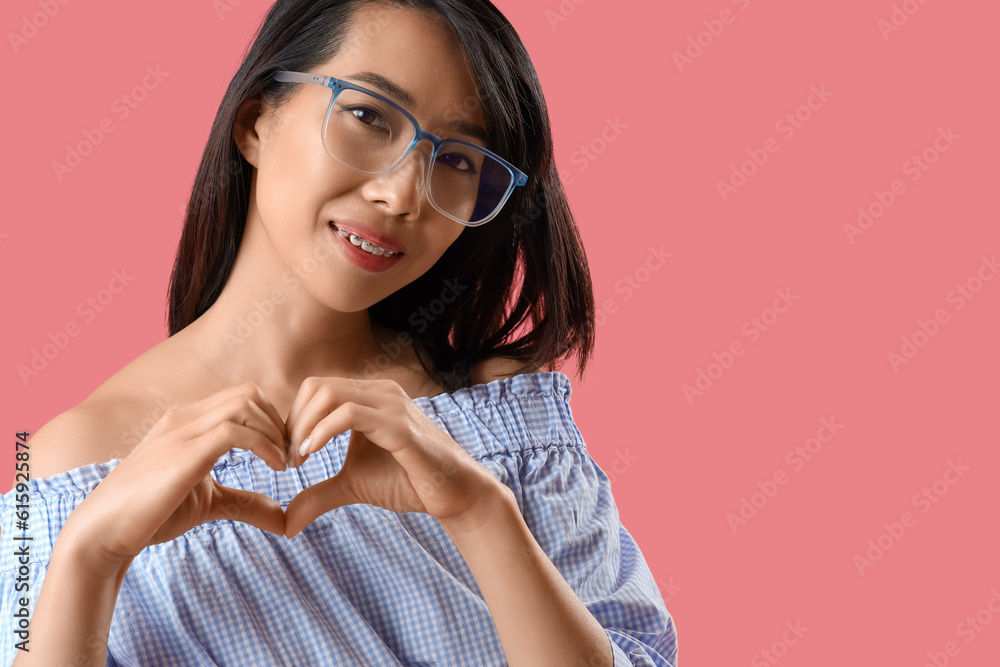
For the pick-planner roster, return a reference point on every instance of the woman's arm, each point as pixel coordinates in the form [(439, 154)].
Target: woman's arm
[(159, 491), (538, 616), (74, 608), (399, 460), (71, 619)]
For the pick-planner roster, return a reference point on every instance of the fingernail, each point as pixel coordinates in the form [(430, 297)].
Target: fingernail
[(304, 447)]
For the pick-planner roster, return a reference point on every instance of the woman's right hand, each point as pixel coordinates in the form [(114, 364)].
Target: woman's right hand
[(163, 488)]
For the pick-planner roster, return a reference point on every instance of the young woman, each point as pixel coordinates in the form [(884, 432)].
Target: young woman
[(368, 457)]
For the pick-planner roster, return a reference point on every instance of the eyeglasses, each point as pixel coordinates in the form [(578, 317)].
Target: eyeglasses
[(372, 134)]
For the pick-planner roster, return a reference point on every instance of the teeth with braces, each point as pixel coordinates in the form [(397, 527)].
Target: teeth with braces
[(365, 244)]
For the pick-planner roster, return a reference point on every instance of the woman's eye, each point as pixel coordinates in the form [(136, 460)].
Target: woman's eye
[(457, 161), (368, 116)]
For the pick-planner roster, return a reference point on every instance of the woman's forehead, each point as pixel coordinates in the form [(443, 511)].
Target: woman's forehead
[(414, 55)]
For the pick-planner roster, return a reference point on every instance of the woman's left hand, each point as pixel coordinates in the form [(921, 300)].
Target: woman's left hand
[(397, 458)]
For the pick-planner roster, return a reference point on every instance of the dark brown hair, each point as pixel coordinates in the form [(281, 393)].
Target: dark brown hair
[(525, 284)]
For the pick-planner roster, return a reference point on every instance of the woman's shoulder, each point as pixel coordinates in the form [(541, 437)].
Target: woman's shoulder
[(106, 425), (85, 433), (119, 413), (499, 368)]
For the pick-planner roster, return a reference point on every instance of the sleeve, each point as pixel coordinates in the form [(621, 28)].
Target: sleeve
[(17, 599), (10, 608), (20, 583), (21, 575), (566, 502)]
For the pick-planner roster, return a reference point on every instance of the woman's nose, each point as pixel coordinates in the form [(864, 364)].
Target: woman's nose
[(400, 189)]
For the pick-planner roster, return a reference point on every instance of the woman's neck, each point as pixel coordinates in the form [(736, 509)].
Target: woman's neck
[(247, 337), (270, 325)]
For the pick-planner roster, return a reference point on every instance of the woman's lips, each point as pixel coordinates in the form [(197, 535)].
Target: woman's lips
[(383, 241), (360, 257)]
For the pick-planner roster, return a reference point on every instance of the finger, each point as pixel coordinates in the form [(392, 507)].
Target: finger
[(314, 393), (314, 502), (272, 412), (349, 416), (239, 410), (305, 393), (319, 398), (248, 507), (262, 406), (247, 397), (207, 448)]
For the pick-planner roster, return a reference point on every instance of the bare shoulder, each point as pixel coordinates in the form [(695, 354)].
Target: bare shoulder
[(95, 431), (107, 424), (499, 368), (114, 417)]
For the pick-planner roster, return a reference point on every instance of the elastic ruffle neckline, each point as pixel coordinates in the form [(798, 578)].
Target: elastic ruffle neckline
[(496, 395)]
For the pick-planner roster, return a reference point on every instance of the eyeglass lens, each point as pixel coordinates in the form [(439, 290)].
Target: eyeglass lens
[(369, 135)]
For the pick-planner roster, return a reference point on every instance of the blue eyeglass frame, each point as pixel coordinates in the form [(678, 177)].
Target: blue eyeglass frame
[(518, 177)]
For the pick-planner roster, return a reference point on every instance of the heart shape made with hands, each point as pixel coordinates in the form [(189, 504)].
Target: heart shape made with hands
[(397, 458), (370, 475)]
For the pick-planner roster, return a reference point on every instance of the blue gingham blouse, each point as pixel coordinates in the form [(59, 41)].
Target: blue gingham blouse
[(363, 585)]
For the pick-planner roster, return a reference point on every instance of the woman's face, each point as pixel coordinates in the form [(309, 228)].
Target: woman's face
[(302, 196)]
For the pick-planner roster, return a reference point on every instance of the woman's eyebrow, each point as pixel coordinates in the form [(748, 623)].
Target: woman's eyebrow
[(470, 129), (404, 99), (397, 93)]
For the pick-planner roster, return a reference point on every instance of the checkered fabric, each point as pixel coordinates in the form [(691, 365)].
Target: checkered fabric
[(363, 585)]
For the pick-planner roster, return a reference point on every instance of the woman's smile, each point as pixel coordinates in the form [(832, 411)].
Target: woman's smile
[(367, 250)]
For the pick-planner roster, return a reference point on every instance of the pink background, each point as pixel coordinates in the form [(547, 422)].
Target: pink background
[(678, 466)]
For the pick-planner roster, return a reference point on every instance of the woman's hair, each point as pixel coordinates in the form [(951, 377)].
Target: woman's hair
[(520, 283)]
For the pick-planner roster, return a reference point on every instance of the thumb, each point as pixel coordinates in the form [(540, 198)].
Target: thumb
[(249, 507), (316, 501)]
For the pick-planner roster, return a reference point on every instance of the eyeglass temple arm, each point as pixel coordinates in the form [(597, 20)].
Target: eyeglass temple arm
[(302, 77)]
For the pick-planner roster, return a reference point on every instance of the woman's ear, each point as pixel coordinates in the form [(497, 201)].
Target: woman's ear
[(245, 130)]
